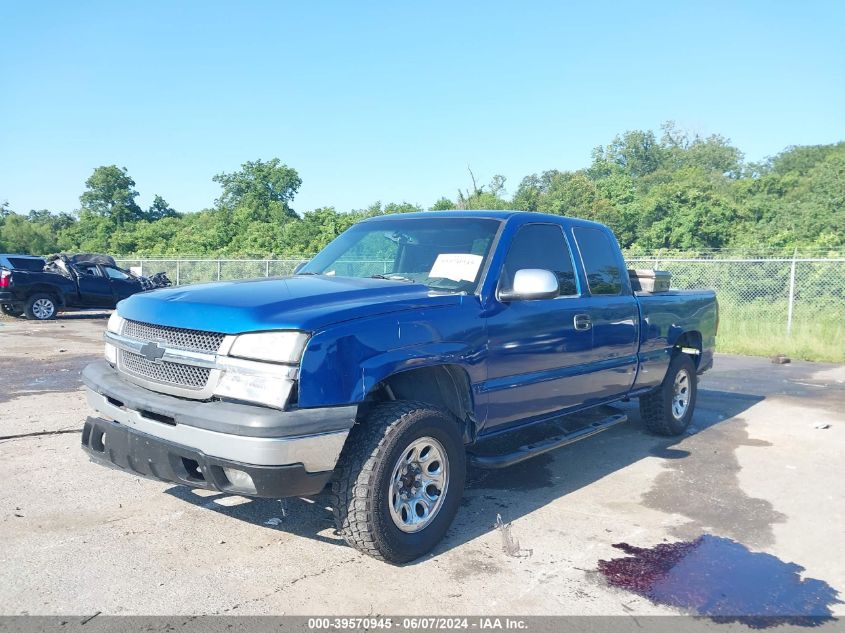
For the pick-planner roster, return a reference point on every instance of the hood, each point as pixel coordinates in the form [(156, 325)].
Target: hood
[(300, 302)]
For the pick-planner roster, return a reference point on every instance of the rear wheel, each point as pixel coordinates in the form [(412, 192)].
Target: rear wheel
[(10, 311), (399, 481), (669, 409), (40, 307)]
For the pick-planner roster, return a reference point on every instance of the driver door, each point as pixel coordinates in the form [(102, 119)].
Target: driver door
[(123, 285), (538, 361), (94, 287)]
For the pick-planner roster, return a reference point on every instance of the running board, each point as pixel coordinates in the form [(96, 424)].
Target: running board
[(538, 448)]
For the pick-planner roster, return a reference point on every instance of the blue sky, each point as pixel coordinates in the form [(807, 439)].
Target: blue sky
[(391, 101)]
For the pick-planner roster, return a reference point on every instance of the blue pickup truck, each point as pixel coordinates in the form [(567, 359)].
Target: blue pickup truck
[(409, 347)]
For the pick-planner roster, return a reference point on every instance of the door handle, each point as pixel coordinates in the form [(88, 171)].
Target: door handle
[(582, 322)]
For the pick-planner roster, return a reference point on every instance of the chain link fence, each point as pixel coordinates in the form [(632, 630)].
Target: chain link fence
[(776, 305), (767, 305), (195, 271)]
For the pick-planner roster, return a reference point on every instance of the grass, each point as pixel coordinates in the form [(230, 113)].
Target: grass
[(759, 330)]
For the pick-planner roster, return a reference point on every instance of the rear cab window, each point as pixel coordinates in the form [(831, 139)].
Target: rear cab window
[(599, 258), (30, 264)]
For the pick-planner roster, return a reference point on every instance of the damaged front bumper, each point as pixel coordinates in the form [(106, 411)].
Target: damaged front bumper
[(230, 447)]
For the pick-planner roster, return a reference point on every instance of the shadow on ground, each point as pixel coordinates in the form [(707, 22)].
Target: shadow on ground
[(521, 489)]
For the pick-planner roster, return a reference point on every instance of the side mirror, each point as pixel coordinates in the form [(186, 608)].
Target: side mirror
[(531, 284), (299, 266)]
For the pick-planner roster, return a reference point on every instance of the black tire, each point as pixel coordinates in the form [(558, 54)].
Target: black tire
[(362, 482), (10, 311), (656, 408), (41, 307)]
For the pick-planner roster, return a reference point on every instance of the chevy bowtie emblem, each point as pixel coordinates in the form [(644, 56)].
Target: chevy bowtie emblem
[(152, 352)]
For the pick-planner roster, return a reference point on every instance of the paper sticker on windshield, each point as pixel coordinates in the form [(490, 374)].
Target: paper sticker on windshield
[(456, 266)]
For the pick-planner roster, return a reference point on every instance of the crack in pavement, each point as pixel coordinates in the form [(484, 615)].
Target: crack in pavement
[(292, 582), (39, 434)]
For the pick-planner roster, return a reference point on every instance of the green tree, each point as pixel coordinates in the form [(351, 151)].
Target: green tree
[(713, 153), (18, 235), (637, 153), (319, 227), (693, 211), (90, 233), (56, 221), (110, 193), (260, 190), (478, 198), (159, 209), (442, 204)]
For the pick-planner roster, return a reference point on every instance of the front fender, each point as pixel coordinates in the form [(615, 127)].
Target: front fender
[(343, 363)]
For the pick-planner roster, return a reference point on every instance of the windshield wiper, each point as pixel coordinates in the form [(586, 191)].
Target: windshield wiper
[(392, 278)]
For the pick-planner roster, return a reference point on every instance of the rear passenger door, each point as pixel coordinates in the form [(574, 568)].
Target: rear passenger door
[(538, 362), (614, 315)]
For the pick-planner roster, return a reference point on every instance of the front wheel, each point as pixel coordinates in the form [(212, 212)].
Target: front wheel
[(40, 307), (668, 409), (399, 481)]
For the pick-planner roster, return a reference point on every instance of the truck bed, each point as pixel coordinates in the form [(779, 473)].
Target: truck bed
[(677, 292), (664, 317)]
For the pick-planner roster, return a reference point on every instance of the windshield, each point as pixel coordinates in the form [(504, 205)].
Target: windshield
[(442, 253)]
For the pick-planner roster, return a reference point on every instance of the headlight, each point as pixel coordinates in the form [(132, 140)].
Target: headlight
[(115, 323), (256, 382), (274, 347), (111, 354)]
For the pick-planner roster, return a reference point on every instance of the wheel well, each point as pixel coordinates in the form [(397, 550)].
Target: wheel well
[(689, 340), (444, 386), (50, 292)]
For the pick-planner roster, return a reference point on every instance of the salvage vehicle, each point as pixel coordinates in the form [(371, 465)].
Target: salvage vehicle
[(409, 347), (68, 281)]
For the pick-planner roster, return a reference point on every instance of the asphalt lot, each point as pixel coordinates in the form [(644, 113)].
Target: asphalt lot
[(755, 475)]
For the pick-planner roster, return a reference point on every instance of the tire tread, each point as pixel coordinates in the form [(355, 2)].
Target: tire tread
[(654, 407), (354, 473)]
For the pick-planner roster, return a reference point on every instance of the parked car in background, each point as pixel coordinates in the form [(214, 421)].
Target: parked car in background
[(67, 281), (384, 383)]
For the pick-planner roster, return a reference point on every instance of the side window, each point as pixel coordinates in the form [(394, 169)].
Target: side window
[(598, 253), (114, 273), (540, 246)]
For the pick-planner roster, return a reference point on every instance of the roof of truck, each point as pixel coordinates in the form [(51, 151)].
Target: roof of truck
[(491, 214), (449, 213)]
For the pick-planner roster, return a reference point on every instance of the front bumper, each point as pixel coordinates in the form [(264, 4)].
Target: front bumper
[(114, 445), (286, 453)]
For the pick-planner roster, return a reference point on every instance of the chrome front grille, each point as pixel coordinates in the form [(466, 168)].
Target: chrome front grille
[(194, 340), (181, 379), (174, 374)]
